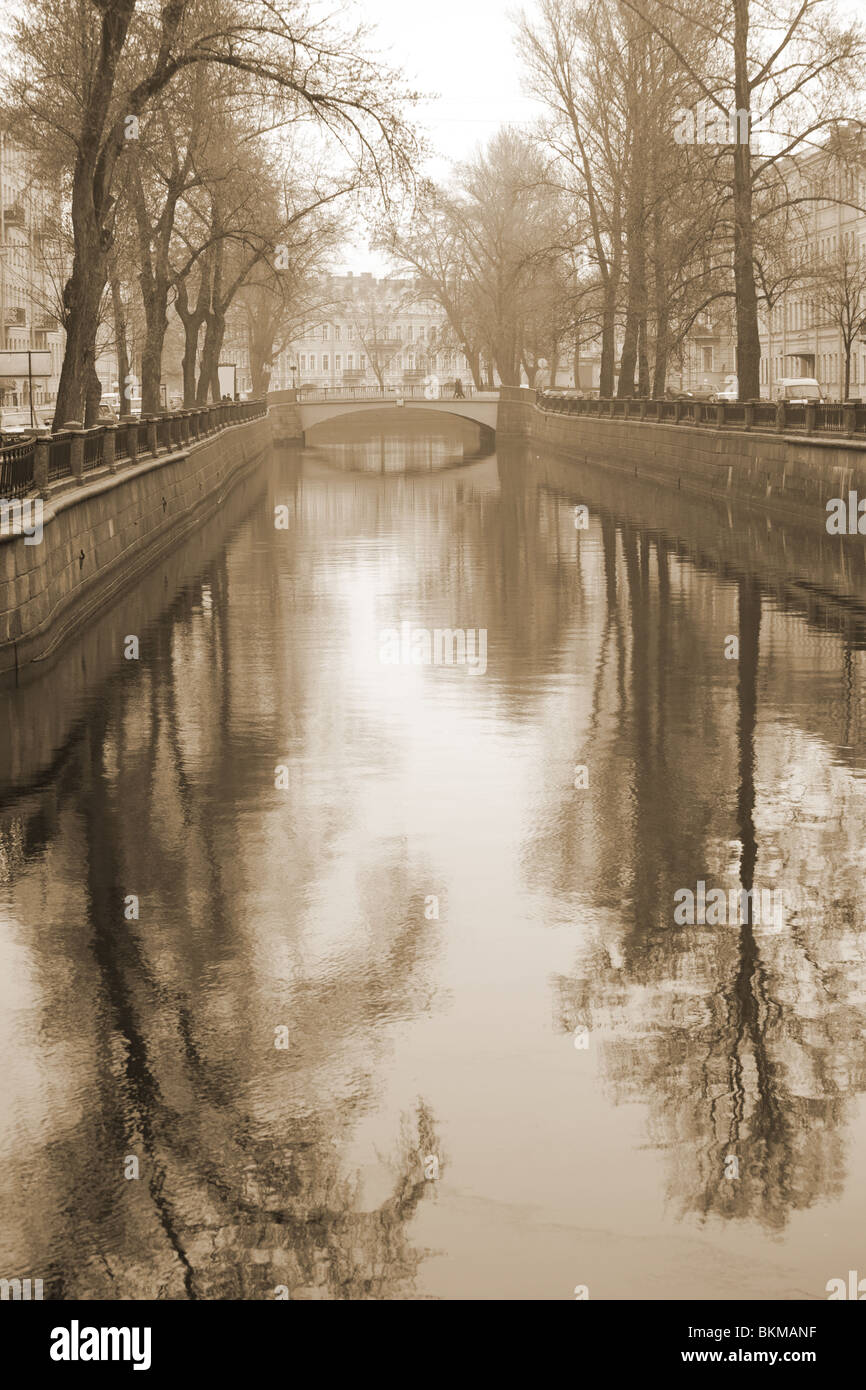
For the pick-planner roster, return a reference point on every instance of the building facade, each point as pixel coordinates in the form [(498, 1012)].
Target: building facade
[(798, 336), (28, 275), (371, 332)]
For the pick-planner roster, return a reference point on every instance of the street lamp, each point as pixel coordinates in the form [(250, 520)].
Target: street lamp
[(294, 371)]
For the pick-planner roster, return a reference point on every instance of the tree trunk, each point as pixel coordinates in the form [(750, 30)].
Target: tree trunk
[(192, 320), (643, 373), (661, 306), (121, 345), (155, 299), (748, 338), (82, 295), (608, 342), (92, 397), (636, 246), (208, 377), (847, 394)]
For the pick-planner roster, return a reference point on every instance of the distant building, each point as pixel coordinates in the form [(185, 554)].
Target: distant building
[(371, 332), (796, 338), (29, 217)]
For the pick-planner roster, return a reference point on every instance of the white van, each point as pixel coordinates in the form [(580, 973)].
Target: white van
[(798, 390)]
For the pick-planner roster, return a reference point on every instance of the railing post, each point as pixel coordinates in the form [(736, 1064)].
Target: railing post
[(41, 454), (75, 430), (720, 415), (149, 422), (678, 412), (849, 418), (810, 417), (132, 438), (642, 408), (748, 415), (109, 450), (781, 417)]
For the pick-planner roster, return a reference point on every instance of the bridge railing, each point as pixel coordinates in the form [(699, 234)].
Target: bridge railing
[(416, 391), (846, 419), (34, 463)]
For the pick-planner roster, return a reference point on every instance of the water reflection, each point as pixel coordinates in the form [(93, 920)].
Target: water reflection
[(417, 443), (169, 904)]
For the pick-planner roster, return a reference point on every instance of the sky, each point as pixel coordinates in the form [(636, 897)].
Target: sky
[(462, 53)]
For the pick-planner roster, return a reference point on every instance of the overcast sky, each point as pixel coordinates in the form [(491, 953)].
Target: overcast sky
[(462, 52)]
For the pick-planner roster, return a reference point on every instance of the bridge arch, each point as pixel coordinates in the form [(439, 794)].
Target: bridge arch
[(314, 410)]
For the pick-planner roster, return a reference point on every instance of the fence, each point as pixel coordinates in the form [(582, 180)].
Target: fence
[(847, 419), (16, 470), (110, 444), (415, 391)]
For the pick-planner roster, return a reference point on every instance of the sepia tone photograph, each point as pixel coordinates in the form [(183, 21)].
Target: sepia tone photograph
[(432, 675)]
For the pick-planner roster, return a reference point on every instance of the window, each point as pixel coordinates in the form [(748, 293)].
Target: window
[(303, 362), (363, 364), (312, 361), (338, 363), (326, 363), (338, 333), (351, 361)]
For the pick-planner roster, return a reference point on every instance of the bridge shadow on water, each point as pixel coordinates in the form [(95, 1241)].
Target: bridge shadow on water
[(413, 443)]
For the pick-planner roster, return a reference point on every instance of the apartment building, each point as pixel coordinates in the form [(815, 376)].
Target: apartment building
[(28, 275), (798, 337), (370, 332)]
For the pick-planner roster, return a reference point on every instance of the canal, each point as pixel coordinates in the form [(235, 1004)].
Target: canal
[(332, 976)]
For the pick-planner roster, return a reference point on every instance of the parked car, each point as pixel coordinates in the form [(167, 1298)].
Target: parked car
[(107, 413), (798, 390)]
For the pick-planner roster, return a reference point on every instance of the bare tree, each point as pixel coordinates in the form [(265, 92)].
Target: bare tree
[(840, 297), (789, 62), (85, 74)]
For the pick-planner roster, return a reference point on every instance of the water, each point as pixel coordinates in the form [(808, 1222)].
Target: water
[(508, 1071)]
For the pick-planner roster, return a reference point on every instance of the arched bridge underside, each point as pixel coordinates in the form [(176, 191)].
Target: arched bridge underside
[(481, 412)]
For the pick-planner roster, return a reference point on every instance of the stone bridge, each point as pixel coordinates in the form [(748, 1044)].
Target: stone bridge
[(295, 413)]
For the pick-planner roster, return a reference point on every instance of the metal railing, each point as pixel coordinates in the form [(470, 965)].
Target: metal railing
[(59, 457), (847, 419), (413, 391), (88, 450), (93, 449), (16, 470)]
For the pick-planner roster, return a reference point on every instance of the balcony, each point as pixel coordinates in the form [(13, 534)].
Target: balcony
[(13, 215), (14, 315)]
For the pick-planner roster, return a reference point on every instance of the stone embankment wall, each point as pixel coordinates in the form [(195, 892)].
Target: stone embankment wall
[(787, 473), (101, 535)]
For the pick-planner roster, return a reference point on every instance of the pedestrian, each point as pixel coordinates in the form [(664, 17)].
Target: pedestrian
[(458, 390)]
